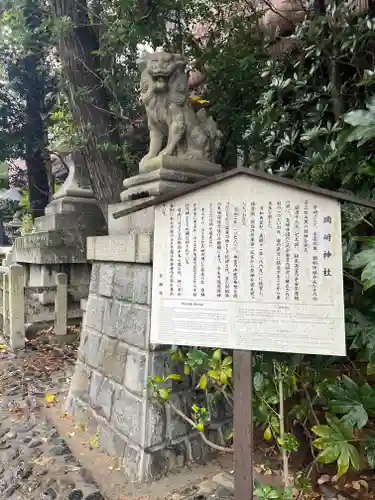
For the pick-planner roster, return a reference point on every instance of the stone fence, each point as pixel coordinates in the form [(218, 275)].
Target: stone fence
[(18, 305)]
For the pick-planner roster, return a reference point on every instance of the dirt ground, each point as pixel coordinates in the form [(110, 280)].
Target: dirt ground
[(114, 483)]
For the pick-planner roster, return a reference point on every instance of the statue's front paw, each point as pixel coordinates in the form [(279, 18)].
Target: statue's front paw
[(165, 152), (143, 161)]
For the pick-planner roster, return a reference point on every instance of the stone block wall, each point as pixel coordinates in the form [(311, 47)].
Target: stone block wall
[(109, 387)]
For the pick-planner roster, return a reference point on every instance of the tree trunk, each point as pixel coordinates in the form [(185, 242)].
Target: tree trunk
[(320, 7), (35, 127), (89, 101)]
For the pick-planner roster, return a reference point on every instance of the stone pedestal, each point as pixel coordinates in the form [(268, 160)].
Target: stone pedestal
[(167, 173), (58, 243), (73, 214), (115, 357)]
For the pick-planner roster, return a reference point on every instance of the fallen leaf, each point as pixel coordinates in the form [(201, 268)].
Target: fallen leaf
[(43, 460), (66, 416), (363, 483), (324, 479), (94, 440), (50, 398)]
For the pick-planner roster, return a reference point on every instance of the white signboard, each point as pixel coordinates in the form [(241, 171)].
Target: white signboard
[(249, 264)]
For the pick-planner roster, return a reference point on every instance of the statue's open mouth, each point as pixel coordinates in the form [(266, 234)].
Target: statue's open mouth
[(160, 81)]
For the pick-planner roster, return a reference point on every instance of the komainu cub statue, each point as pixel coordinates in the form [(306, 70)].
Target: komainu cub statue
[(175, 128)]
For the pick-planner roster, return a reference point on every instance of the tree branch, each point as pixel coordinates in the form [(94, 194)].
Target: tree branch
[(213, 445)]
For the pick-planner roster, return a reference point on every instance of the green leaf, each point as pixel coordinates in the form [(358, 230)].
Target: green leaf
[(289, 442), (355, 402), (335, 444), (227, 361), (165, 394), (174, 376), (370, 451), (343, 461), (287, 494), (370, 240), (266, 492), (258, 381), (197, 357), (343, 430), (361, 134), (228, 434), (214, 374), (323, 431), (158, 379), (303, 482), (275, 424), (329, 454), (357, 416), (360, 118), (355, 459), (368, 275), (321, 443), (362, 258)]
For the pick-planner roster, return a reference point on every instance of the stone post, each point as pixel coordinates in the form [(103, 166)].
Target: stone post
[(16, 307), (4, 277), (61, 304)]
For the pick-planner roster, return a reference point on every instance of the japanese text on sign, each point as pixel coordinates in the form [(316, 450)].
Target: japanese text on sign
[(249, 265)]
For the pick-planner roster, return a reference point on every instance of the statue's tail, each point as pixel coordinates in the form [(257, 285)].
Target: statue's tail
[(212, 130)]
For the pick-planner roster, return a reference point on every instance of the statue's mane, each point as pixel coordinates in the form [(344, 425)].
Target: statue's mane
[(178, 85)]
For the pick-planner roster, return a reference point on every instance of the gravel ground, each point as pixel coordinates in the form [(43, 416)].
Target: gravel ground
[(35, 462)]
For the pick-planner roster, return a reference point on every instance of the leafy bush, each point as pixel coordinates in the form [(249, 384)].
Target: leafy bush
[(311, 116)]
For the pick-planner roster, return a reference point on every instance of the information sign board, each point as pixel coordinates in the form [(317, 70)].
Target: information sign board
[(249, 264)]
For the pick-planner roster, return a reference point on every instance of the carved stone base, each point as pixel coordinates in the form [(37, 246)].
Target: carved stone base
[(181, 164), (166, 173)]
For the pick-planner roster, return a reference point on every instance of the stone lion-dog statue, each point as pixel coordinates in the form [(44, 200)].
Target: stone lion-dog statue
[(175, 128)]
